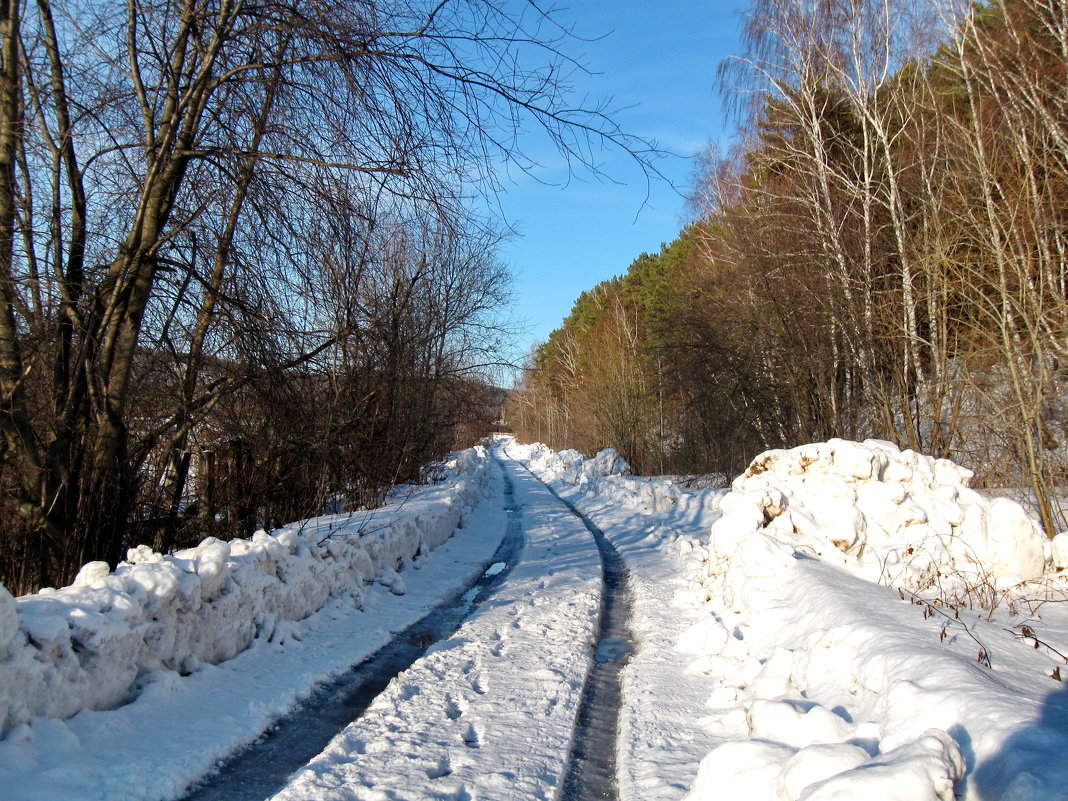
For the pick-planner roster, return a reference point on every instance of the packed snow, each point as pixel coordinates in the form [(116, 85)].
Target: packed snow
[(848, 620), (866, 625), (489, 712), (170, 726)]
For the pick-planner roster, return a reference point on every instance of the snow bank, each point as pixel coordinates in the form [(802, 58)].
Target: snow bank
[(892, 516), (86, 646), (863, 695), (824, 684), (607, 475), (572, 468), (860, 695)]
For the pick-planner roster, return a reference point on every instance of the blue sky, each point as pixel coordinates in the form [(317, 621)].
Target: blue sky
[(657, 63)]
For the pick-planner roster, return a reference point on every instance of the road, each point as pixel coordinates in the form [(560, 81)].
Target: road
[(500, 665), (515, 697)]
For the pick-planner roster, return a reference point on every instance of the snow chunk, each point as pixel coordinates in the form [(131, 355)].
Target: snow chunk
[(391, 579), (924, 770), (606, 463), (1059, 546), (211, 557), (91, 573), (740, 769), (1013, 545), (815, 764), (706, 636), (788, 723)]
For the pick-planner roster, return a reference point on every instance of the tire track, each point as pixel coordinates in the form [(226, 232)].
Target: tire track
[(591, 769), (261, 769), (490, 713)]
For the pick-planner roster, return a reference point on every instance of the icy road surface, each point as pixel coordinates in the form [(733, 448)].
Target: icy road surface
[(498, 711)]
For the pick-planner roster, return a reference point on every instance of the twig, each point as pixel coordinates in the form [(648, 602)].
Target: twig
[(1027, 633), (930, 609)]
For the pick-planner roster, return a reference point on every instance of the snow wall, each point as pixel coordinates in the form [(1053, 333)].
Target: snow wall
[(85, 646), (891, 516)]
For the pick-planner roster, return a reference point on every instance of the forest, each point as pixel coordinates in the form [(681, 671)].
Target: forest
[(883, 253), (242, 275)]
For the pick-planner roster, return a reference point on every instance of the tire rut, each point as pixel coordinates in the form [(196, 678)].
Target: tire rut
[(262, 768), (591, 769)]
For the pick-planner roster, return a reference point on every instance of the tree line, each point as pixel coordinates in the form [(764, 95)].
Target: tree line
[(240, 271), (884, 253)]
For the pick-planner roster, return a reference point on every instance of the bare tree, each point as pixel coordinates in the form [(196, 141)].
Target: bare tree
[(1012, 167), (166, 169)]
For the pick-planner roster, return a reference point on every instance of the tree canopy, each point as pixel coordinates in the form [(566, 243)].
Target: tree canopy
[(883, 254)]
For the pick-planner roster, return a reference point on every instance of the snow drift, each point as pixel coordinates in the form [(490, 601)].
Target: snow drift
[(90, 645), (862, 696), (826, 685), (892, 516)]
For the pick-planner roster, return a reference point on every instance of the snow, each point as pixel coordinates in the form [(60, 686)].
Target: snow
[(661, 738), (1059, 548), (848, 620), (855, 619), (890, 515), (173, 728), (489, 712), (85, 646)]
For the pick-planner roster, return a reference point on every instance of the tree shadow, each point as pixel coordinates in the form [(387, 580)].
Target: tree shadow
[(1031, 764)]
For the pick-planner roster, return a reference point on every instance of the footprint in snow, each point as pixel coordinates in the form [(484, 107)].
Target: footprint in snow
[(478, 684), (453, 710), (471, 739), (440, 769), (550, 705), (473, 670)]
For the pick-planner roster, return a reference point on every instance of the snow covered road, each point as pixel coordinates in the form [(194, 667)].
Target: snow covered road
[(773, 663), (763, 658), (489, 712)]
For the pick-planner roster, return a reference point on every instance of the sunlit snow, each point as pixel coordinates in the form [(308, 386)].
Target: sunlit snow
[(848, 621)]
